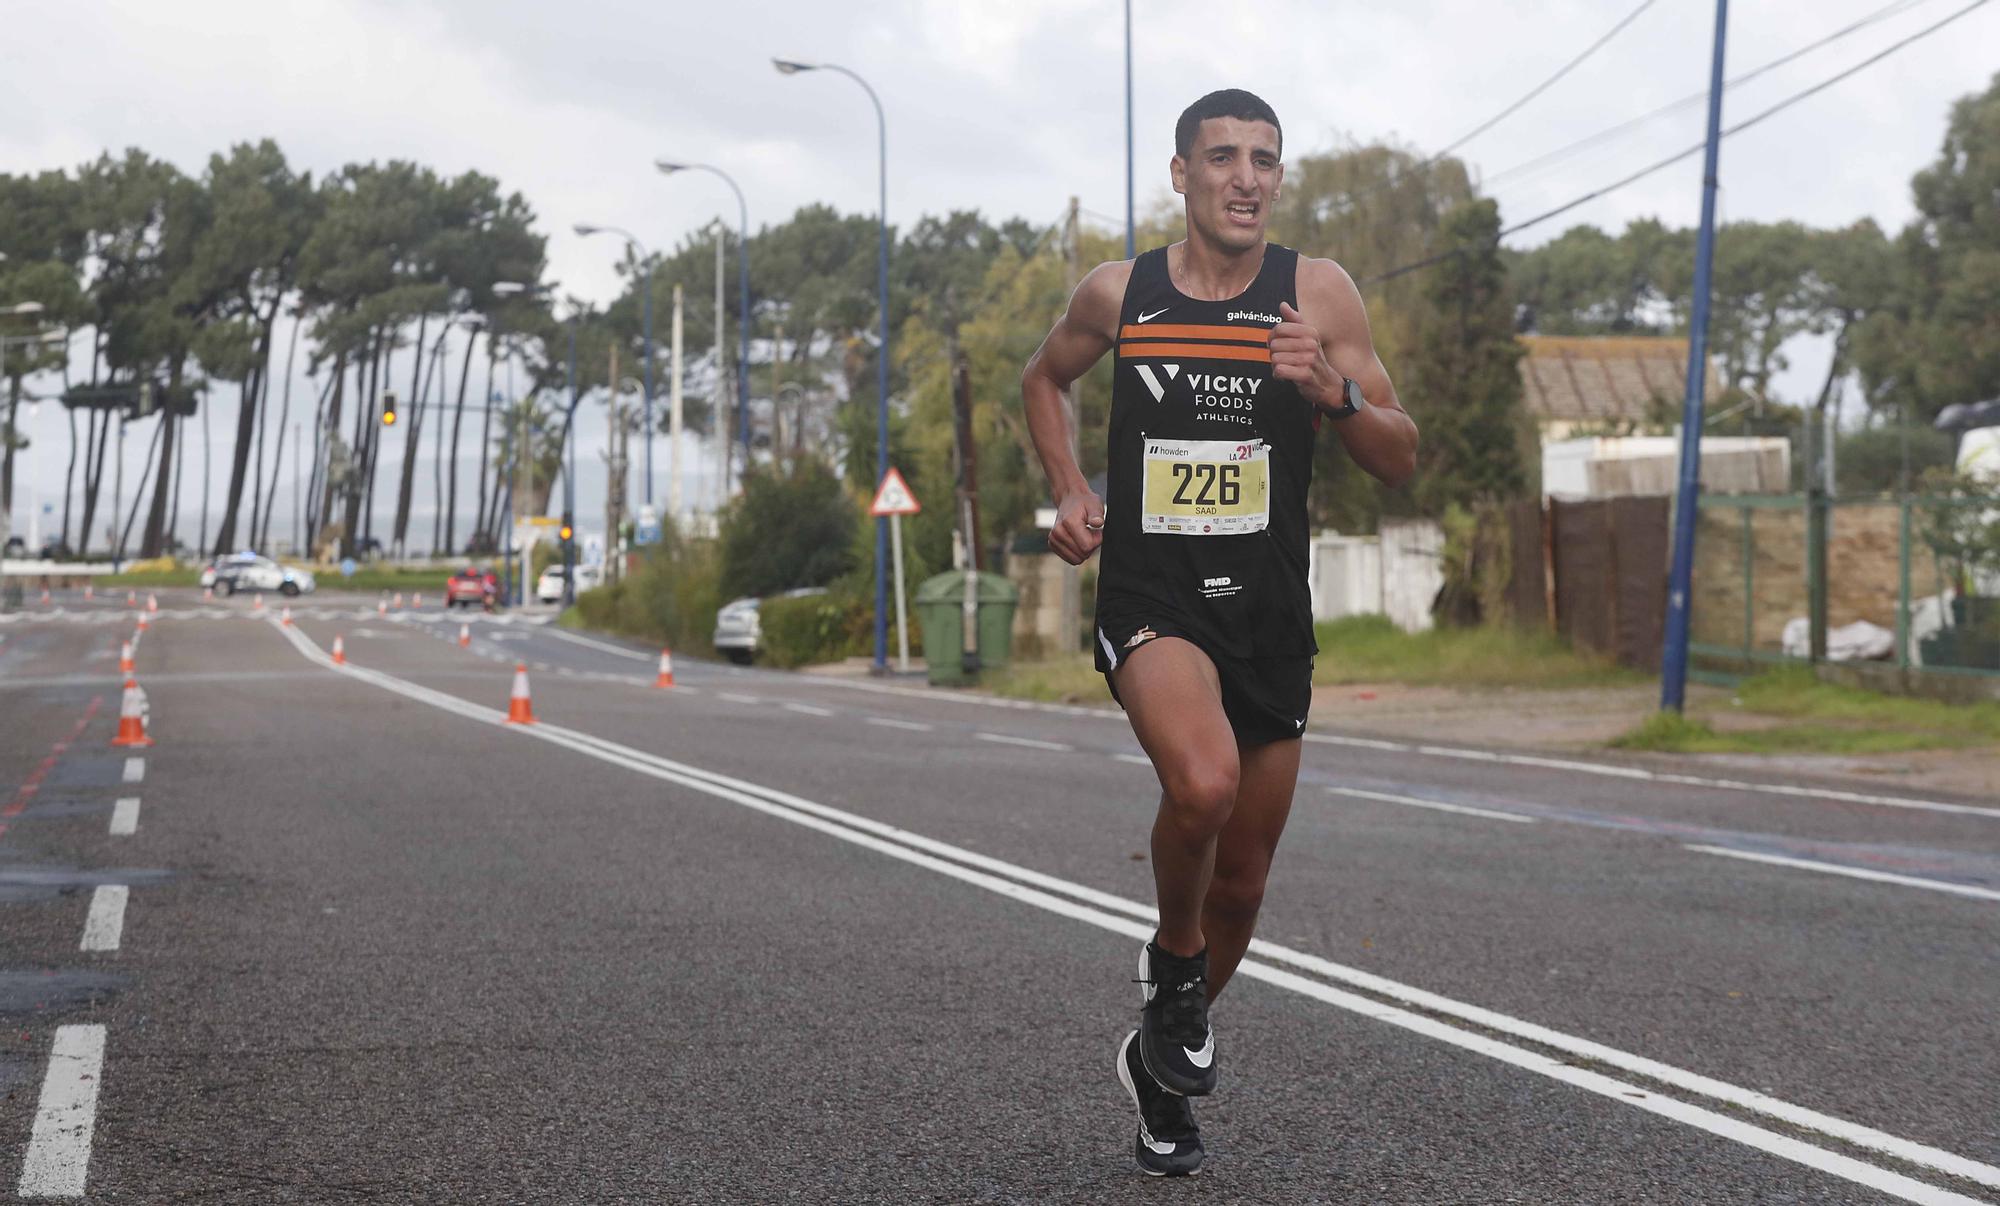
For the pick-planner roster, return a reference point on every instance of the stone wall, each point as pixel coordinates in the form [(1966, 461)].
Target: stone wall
[(1862, 570)]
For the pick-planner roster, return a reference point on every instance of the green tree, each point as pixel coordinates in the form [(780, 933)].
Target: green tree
[(1937, 341), (788, 529), (1464, 370)]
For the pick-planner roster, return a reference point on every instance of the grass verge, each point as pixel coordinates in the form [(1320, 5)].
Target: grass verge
[(1827, 719), (1370, 649), (1058, 680)]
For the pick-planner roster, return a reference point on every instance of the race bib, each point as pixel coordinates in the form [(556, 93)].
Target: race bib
[(1206, 487)]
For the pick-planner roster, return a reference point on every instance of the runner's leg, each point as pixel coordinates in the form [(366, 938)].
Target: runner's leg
[(1174, 698), (1269, 774)]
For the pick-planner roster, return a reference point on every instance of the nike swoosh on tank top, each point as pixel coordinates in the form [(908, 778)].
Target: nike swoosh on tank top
[(1210, 458)]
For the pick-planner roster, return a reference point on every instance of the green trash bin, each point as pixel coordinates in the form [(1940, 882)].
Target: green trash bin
[(941, 613)]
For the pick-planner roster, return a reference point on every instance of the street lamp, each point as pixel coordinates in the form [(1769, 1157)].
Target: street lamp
[(792, 67), (586, 229), (669, 167)]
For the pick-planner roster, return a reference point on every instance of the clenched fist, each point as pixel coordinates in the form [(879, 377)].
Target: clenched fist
[(1298, 356), (1079, 527)]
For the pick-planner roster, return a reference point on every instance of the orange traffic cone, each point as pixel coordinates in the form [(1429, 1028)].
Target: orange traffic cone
[(208, 594), (256, 602), (152, 601), (131, 718), (142, 622), (45, 596), (399, 600), (465, 636), (666, 678), (285, 617), (519, 711), (89, 591), (339, 651), (125, 658), (131, 598), (382, 606), (416, 600)]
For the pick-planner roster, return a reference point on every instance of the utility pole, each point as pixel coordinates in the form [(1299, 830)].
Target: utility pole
[(1072, 577), (968, 502), (674, 420)]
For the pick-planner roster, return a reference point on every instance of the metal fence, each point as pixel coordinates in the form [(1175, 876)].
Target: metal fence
[(1760, 576)]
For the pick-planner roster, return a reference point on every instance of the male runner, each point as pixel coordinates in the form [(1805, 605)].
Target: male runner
[(1230, 352)]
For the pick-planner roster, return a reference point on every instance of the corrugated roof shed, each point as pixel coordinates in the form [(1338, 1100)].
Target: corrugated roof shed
[(1605, 378)]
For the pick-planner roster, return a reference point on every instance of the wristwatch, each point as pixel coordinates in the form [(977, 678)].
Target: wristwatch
[(1351, 401)]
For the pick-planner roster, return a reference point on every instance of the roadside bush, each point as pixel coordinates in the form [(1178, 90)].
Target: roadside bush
[(789, 529), (812, 629), (670, 598)]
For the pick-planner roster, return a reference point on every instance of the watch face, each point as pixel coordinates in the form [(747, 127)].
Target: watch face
[(1350, 393)]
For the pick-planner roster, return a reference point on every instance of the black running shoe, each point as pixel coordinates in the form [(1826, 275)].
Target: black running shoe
[(1174, 1039), (1168, 1145)]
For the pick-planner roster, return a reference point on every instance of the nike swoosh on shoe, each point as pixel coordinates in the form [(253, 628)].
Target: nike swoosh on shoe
[(1204, 1057)]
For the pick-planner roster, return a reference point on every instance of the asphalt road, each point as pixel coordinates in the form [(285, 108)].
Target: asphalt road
[(769, 937)]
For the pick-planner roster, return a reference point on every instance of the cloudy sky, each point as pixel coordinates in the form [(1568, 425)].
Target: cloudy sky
[(1009, 108)]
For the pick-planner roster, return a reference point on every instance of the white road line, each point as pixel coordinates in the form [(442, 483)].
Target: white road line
[(1029, 742), (106, 921), (1134, 759), (59, 1150), (890, 722), (1444, 751), (808, 709), (135, 770), (1415, 802), (125, 817), (733, 697), (1886, 877), (1136, 921), (1636, 772), (600, 645)]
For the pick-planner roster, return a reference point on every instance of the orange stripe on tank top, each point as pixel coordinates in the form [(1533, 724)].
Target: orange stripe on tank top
[(1130, 350)]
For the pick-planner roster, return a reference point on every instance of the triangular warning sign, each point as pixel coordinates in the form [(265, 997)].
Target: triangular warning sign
[(894, 497)]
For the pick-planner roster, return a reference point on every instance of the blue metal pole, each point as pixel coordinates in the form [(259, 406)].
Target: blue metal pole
[(882, 398), (1680, 583), (1130, 246), (649, 381)]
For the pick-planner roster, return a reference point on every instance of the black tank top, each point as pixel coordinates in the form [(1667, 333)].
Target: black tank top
[(1210, 459)]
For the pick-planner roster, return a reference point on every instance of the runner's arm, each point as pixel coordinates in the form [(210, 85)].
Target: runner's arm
[(1078, 340), (1382, 439)]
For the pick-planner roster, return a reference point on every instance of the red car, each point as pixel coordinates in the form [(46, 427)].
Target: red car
[(472, 587)]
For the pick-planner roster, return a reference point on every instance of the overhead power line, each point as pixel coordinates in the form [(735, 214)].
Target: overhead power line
[(1696, 149), (1540, 88), (1438, 156), (1895, 8)]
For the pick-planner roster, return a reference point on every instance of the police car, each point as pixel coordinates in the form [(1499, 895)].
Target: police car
[(253, 571)]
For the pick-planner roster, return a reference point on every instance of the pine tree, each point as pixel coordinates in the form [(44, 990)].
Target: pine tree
[(1464, 381)]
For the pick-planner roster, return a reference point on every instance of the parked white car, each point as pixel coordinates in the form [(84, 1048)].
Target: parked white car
[(549, 587), (739, 626)]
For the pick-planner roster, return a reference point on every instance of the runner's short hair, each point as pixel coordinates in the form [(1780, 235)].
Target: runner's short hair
[(1228, 102)]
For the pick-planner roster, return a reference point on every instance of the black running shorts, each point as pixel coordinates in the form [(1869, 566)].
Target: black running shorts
[(1265, 698)]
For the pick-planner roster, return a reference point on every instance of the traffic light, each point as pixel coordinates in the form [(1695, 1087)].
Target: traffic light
[(388, 410)]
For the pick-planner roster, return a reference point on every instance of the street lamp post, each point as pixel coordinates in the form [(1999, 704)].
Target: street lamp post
[(790, 67), (669, 167), (569, 479), (586, 229)]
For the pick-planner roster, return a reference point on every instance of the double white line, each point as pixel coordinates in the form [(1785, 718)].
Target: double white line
[(1547, 1052)]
